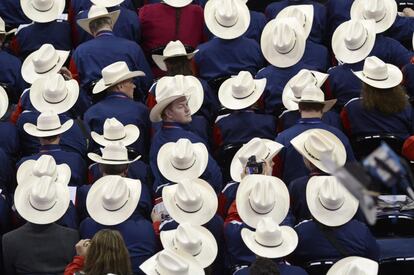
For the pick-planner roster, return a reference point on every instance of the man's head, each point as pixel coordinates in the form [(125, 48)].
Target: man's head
[(100, 24), (110, 169), (98, 19), (127, 87), (177, 111), (49, 140), (310, 110)]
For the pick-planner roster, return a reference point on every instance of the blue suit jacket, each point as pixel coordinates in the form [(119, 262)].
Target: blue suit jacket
[(289, 118), (283, 267), (11, 76), (12, 13)]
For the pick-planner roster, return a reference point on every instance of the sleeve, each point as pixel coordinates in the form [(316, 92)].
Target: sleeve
[(8, 255), (232, 214), (345, 121), (14, 46), (400, 56), (76, 265), (73, 69), (217, 138), (143, 65), (372, 248)]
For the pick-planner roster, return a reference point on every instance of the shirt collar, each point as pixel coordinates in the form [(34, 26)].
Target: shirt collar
[(50, 147), (313, 120), (105, 33), (116, 94)]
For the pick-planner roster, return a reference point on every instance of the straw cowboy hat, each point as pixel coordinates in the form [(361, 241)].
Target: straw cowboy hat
[(195, 240), (260, 196), (112, 199), (3, 28), (54, 93), (48, 124), (353, 40), (283, 42), (170, 88), (107, 3), (313, 94), (379, 74), (193, 201), (113, 154), (227, 19), (115, 131), (177, 3), (42, 11), (354, 266), (263, 149), (45, 165), (171, 262), (303, 13), (41, 200), (316, 144), (96, 12), (4, 102), (45, 61), (383, 12), (270, 240), (295, 86), (114, 74), (241, 91), (173, 49), (329, 202)]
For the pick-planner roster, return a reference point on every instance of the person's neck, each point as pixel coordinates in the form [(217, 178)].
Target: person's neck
[(310, 114), (123, 92), (46, 142), (104, 29)]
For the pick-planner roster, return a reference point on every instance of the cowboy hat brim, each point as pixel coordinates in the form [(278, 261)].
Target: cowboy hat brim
[(160, 59), (4, 102), (156, 111), (307, 11), (42, 16), (246, 212), (100, 86), (395, 78), (32, 129), (84, 23), (290, 242), (327, 104), (177, 3), (40, 104), (106, 217), (26, 168), (107, 3), (98, 159), (230, 102), (342, 266), (200, 217), (131, 135), (391, 10)]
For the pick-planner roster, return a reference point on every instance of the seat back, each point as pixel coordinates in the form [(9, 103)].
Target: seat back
[(400, 266), (392, 225), (364, 145), (318, 267)]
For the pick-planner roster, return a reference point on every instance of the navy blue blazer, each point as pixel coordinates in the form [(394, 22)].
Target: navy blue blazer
[(12, 13), (283, 267), (11, 76), (289, 118)]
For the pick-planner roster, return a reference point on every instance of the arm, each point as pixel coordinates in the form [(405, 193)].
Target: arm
[(76, 265)]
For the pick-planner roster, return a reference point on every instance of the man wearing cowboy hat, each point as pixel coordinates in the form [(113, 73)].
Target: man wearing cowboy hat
[(91, 57)]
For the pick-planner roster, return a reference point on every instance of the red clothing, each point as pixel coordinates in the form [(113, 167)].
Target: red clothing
[(75, 265)]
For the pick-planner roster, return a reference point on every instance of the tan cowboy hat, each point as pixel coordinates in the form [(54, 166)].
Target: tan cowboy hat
[(52, 92), (354, 265), (260, 196), (270, 240), (263, 149), (96, 12), (182, 160), (195, 240), (379, 74), (112, 199), (295, 86), (227, 19), (114, 74), (173, 49), (316, 144), (41, 200), (115, 131), (177, 3), (329, 202), (4, 102), (241, 91), (48, 124), (113, 154), (42, 11), (171, 262), (353, 40), (193, 201), (45, 61), (3, 28), (313, 94), (383, 12), (303, 13), (45, 165), (283, 42), (107, 3)]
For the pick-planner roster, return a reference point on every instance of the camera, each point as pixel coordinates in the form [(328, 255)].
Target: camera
[(254, 167)]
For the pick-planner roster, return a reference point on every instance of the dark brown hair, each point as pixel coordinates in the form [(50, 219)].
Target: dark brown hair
[(178, 65), (311, 106), (386, 101), (111, 169)]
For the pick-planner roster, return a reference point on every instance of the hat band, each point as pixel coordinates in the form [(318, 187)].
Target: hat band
[(362, 45), (310, 154), (103, 158), (39, 10), (375, 79), (183, 169), (330, 208), (55, 102), (246, 96), (291, 49), (45, 130), (269, 246), (113, 210), (115, 139), (261, 213), (38, 209), (43, 72), (376, 21), (176, 247), (187, 211)]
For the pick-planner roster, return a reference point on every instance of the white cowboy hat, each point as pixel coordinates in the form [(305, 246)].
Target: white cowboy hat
[(114, 74), (193, 201), (115, 131), (41, 200), (260, 196), (114, 154), (171, 262), (177, 3), (45, 165), (48, 124), (354, 266), (42, 11), (3, 28), (227, 19), (329, 202), (45, 61), (303, 13), (4, 102), (316, 144), (295, 86), (241, 91), (107, 3), (54, 93), (283, 42), (182, 160), (96, 12), (379, 74), (263, 149), (313, 94), (353, 40), (270, 240), (384, 12), (112, 199), (173, 49), (195, 240)]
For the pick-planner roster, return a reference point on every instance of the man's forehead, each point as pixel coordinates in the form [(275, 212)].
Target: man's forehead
[(180, 100)]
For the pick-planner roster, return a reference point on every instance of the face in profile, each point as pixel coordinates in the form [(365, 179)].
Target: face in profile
[(178, 111)]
